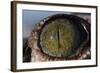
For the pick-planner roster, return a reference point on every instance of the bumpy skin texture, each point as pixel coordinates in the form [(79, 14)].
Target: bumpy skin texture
[(54, 47)]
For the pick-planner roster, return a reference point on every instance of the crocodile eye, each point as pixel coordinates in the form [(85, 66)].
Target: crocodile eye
[(62, 36)]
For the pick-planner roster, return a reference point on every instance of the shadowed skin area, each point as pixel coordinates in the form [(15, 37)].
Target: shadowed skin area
[(57, 38)]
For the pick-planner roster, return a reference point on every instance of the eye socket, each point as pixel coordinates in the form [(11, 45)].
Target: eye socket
[(62, 36)]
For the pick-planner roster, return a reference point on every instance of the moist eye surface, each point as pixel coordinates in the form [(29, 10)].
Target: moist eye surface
[(58, 38)]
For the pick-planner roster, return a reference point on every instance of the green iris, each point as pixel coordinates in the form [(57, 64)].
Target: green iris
[(57, 38)]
